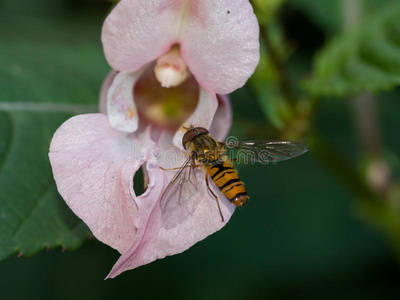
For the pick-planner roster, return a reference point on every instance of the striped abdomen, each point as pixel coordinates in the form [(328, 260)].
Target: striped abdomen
[(228, 181)]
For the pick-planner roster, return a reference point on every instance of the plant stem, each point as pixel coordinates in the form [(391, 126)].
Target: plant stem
[(377, 171), (351, 12), (283, 78)]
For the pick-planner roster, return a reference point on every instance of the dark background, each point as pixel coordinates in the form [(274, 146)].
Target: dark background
[(299, 236)]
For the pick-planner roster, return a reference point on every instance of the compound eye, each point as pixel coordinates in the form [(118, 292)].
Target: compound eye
[(191, 134), (201, 130), (188, 136)]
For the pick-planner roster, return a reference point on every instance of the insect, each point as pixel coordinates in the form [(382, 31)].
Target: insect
[(208, 154)]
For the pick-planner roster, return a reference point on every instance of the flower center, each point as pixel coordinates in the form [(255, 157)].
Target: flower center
[(166, 107), (171, 70)]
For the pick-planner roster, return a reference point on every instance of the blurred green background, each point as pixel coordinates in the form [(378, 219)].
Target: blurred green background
[(300, 236)]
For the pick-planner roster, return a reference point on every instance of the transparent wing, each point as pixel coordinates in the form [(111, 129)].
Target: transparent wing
[(266, 151), (177, 201)]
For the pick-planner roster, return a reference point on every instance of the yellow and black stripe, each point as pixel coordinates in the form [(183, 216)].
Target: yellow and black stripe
[(228, 181)]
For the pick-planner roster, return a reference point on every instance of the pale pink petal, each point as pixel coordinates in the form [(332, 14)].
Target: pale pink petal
[(138, 32), (121, 108), (218, 39), (201, 117), (222, 121), (219, 42), (93, 166), (103, 96), (155, 239)]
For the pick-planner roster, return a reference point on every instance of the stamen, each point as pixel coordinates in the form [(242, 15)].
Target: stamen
[(171, 70)]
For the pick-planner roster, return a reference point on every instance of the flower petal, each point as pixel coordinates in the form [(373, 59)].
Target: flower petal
[(222, 121), (93, 166), (154, 239), (218, 39), (103, 96), (202, 116), (138, 32), (121, 108), (219, 43)]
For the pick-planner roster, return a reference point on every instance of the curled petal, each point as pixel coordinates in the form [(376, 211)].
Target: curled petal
[(219, 42), (103, 96), (201, 117), (121, 108), (93, 166), (155, 240), (222, 121)]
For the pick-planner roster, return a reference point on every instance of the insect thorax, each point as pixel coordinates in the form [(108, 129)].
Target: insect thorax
[(207, 149)]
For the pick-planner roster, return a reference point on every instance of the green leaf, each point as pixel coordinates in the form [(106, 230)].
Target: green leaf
[(364, 59), (49, 70), (32, 214)]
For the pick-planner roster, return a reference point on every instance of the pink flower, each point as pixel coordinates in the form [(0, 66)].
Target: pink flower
[(198, 49)]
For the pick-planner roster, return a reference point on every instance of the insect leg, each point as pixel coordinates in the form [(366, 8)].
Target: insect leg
[(188, 166), (174, 168), (216, 198), (233, 160)]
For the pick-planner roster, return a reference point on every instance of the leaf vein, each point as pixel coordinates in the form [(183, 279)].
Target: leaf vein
[(31, 210), (11, 140)]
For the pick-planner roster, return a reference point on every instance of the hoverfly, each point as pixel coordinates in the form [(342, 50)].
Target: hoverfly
[(208, 154)]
